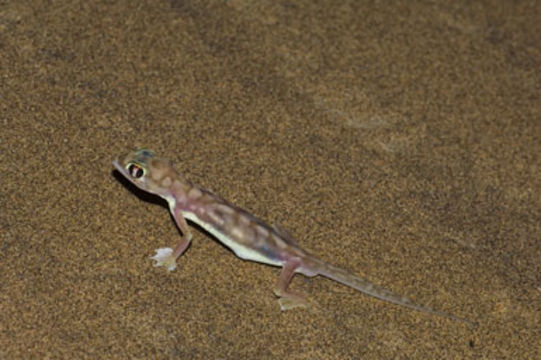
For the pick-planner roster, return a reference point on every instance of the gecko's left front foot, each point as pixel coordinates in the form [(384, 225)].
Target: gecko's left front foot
[(164, 257)]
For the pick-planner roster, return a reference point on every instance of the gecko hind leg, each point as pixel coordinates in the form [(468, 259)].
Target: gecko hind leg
[(289, 299)]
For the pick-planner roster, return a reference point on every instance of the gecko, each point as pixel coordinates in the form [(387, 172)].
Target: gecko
[(246, 235)]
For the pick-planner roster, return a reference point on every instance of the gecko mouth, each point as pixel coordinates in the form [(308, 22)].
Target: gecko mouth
[(122, 170), (118, 166)]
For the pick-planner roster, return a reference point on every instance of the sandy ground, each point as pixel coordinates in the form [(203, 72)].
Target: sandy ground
[(401, 142)]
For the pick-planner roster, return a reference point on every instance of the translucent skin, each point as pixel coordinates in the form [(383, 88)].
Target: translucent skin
[(247, 236)]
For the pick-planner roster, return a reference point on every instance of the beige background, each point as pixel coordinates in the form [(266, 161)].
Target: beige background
[(401, 141)]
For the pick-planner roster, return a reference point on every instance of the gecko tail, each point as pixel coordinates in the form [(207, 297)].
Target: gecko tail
[(345, 277)]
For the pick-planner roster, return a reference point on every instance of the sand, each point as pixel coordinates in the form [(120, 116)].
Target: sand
[(399, 141)]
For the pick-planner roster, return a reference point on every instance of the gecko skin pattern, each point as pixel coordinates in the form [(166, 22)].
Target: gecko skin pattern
[(247, 236)]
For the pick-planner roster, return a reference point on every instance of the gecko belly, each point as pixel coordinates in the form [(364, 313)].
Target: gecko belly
[(240, 250)]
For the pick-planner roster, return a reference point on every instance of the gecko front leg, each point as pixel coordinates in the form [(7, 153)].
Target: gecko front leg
[(167, 257)]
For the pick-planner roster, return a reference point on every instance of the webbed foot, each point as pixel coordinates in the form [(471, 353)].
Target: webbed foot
[(291, 302), (164, 257)]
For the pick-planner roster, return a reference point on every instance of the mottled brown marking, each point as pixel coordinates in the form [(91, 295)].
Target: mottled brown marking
[(216, 218), (157, 174), (194, 193), (225, 209), (262, 232), (166, 182), (238, 233), (178, 186), (279, 242), (249, 234), (243, 220)]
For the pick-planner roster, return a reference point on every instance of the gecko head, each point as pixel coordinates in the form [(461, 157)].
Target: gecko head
[(145, 170)]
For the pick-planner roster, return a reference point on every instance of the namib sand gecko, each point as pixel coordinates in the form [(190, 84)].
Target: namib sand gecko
[(247, 236)]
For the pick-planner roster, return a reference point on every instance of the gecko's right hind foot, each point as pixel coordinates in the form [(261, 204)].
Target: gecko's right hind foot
[(289, 300), (292, 302), (164, 257)]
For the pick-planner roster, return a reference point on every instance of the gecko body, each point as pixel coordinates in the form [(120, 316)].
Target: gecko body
[(247, 236)]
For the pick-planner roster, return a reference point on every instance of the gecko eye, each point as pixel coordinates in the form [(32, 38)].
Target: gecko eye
[(136, 171)]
